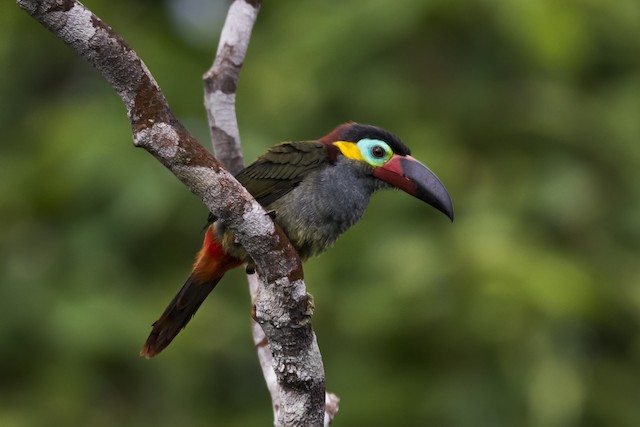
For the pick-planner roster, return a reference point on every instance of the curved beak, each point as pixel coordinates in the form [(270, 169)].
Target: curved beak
[(411, 176)]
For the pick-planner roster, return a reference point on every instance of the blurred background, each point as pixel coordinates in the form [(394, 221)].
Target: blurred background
[(524, 312)]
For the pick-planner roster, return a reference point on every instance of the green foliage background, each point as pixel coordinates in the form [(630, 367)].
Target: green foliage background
[(524, 312)]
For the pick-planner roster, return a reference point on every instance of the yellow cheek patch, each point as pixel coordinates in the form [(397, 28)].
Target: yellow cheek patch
[(349, 150)]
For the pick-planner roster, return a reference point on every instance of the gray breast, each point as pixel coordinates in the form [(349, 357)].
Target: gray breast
[(325, 205)]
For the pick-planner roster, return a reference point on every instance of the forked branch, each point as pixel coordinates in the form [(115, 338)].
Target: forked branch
[(282, 304)]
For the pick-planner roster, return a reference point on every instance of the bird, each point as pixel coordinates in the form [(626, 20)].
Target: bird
[(315, 190)]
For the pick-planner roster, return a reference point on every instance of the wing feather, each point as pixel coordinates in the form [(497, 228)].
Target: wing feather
[(281, 169)]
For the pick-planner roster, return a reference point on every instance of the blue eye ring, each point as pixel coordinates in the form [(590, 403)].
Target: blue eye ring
[(376, 152)]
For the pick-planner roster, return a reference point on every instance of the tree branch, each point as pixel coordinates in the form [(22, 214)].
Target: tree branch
[(282, 305), (220, 83)]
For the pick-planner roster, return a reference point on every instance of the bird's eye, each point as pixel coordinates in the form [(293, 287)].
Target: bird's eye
[(378, 152), (374, 151)]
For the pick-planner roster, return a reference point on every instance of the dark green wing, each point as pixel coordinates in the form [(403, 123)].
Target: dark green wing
[(281, 169)]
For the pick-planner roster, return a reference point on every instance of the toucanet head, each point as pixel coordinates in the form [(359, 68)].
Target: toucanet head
[(391, 162)]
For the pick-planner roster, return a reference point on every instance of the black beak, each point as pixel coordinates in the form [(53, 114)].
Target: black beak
[(411, 176)]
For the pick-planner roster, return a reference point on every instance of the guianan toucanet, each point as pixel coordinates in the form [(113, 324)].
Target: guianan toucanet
[(315, 190)]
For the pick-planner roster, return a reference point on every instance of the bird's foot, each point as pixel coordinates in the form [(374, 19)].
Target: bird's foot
[(310, 306)]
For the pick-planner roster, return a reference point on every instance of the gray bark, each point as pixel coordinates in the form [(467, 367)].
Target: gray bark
[(282, 305)]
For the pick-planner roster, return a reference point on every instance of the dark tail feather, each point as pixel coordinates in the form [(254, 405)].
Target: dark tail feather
[(211, 264), (177, 314)]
